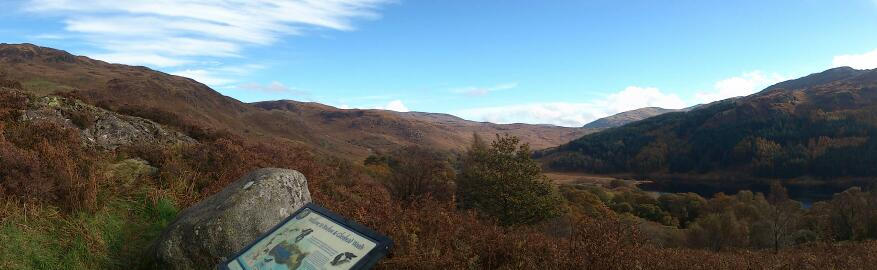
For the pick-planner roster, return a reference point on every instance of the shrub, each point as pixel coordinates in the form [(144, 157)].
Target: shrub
[(193, 171), (604, 243), (11, 102), (46, 162), (83, 120), (10, 84)]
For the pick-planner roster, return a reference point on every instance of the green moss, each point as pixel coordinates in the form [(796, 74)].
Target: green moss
[(115, 237)]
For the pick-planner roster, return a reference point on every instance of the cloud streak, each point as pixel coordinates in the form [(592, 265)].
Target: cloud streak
[(203, 76), (474, 91), (274, 87), (176, 33)]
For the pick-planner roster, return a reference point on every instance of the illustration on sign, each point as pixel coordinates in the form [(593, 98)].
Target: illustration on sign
[(311, 240)]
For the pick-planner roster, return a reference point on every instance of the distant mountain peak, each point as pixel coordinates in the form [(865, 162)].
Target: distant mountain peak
[(827, 76), (624, 118)]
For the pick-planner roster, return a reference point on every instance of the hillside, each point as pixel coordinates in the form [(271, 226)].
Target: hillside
[(822, 125), (627, 117), (197, 109), (381, 130)]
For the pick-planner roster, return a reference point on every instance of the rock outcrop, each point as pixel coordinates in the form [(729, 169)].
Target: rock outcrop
[(219, 226), (101, 128)]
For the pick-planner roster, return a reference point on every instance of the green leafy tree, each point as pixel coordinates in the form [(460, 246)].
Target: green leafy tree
[(685, 207), (504, 182)]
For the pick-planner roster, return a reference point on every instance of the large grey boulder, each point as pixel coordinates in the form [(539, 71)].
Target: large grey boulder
[(221, 225)]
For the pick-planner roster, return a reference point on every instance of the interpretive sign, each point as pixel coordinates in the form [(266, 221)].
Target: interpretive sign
[(313, 238)]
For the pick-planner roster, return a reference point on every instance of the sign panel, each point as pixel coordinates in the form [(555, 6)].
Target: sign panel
[(313, 238)]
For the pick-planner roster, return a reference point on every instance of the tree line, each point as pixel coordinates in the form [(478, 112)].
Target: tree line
[(778, 145)]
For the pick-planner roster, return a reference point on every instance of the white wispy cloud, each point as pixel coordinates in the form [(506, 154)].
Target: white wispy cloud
[(476, 91), (746, 84), (140, 59), (274, 87), (576, 114), (394, 105), (203, 76), (183, 33), (866, 60), (47, 36)]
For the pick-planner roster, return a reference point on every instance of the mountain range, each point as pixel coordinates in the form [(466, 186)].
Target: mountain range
[(195, 108)]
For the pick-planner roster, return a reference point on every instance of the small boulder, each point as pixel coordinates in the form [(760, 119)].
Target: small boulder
[(219, 226)]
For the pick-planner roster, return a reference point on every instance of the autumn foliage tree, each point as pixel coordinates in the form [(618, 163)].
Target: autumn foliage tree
[(504, 182), (782, 216), (416, 172)]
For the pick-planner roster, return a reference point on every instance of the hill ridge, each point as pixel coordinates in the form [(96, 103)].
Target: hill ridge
[(193, 107)]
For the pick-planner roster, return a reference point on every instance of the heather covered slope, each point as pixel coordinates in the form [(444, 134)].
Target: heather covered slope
[(380, 130), (193, 107), (822, 125)]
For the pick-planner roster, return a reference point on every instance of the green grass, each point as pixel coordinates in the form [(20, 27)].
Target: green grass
[(43, 87), (114, 237)]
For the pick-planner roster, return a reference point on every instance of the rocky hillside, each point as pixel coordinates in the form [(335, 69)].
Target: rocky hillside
[(98, 128), (822, 125), (627, 117), (196, 109)]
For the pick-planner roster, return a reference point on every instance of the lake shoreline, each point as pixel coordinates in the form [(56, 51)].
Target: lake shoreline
[(806, 190)]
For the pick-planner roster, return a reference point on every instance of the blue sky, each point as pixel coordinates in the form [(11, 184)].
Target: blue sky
[(555, 62)]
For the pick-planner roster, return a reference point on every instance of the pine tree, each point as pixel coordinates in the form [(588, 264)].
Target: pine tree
[(504, 182)]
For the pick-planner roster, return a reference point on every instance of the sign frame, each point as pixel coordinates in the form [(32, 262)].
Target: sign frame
[(383, 244)]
